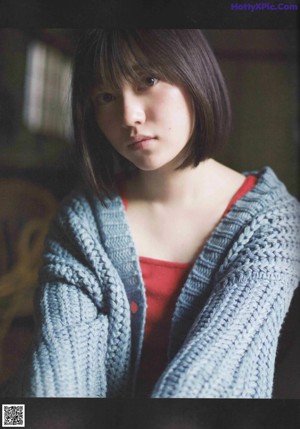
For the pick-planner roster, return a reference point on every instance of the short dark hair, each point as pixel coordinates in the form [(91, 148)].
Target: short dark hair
[(178, 56)]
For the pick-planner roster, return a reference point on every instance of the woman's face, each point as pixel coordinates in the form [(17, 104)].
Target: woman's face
[(148, 123)]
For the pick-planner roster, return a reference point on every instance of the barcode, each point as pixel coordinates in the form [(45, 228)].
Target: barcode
[(13, 415)]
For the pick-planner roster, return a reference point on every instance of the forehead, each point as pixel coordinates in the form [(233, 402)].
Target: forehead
[(117, 74), (121, 60), (119, 77)]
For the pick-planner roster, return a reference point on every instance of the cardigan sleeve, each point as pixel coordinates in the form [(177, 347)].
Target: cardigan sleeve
[(231, 348), (71, 354)]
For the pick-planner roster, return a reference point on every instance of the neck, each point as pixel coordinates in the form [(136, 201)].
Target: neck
[(167, 187)]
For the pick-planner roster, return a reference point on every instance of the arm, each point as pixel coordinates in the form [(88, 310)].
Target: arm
[(77, 330), (231, 348)]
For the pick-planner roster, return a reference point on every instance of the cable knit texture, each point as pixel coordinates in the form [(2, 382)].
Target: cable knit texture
[(227, 320)]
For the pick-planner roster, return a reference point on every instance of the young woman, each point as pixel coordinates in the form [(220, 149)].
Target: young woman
[(168, 274)]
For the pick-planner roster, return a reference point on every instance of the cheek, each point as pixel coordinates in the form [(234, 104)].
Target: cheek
[(101, 120), (105, 124), (178, 104)]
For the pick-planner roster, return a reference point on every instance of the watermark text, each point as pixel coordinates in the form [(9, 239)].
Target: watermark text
[(253, 7)]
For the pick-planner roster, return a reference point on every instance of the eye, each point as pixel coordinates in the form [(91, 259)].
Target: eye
[(104, 98), (151, 80), (147, 81)]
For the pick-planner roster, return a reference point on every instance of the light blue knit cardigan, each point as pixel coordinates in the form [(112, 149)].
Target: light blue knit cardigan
[(227, 319)]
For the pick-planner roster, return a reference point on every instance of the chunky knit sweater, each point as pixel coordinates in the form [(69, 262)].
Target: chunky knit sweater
[(227, 319)]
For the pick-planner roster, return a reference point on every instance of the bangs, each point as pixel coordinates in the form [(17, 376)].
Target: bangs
[(119, 58)]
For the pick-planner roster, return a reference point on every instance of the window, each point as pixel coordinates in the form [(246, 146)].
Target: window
[(47, 91)]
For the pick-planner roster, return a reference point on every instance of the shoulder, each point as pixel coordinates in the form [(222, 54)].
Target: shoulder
[(267, 207), (82, 209), (267, 225), (77, 206), (269, 200), (76, 234)]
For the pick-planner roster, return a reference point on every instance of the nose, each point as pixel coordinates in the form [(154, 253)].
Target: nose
[(133, 109)]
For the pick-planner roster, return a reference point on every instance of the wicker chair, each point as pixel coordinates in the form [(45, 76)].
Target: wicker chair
[(25, 212)]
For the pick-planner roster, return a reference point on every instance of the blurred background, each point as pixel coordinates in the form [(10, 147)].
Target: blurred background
[(37, 168)]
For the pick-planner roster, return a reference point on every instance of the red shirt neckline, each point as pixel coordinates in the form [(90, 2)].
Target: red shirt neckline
[(163, 263), (246, 186)]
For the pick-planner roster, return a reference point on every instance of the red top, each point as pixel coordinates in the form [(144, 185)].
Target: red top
[(163, 282)]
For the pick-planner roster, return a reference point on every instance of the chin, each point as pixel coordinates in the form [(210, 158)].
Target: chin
[(148, 167), (151, 163)]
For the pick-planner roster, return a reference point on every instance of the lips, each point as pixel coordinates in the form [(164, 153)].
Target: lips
[(140, 138), (140, 142)]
